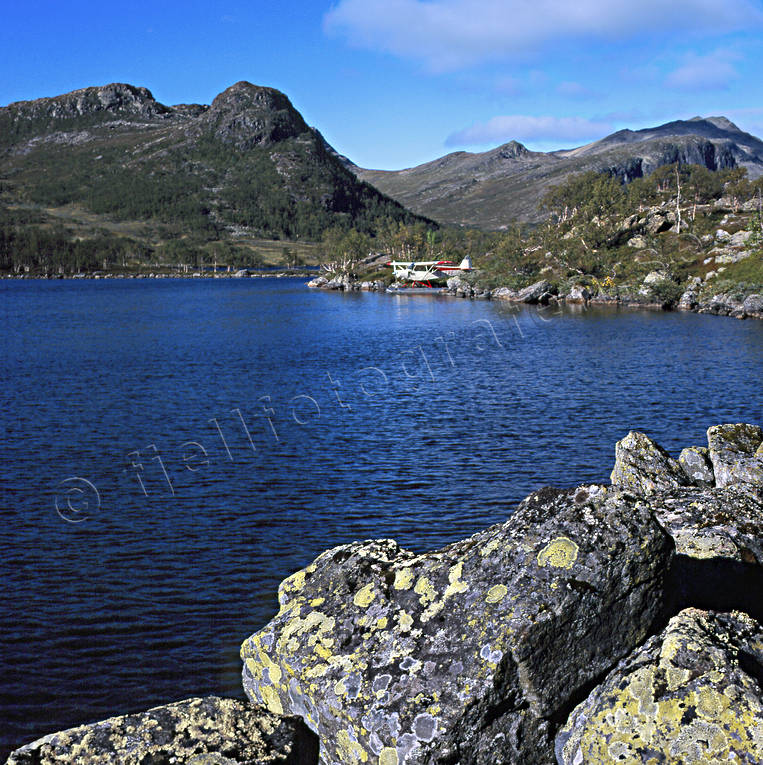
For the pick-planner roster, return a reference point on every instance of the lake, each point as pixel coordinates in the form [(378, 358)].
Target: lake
[(172, 449)]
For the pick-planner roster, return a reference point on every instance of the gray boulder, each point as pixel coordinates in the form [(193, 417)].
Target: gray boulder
[(201, 731), (695, 460), (643, 467), (753, 304), (470, 653), (713, 523), (535, 292), (689, 695), (578, 294), (732, 451), (504, 293)]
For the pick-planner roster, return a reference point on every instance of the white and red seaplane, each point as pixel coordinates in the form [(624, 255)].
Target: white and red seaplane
[(421, 273)]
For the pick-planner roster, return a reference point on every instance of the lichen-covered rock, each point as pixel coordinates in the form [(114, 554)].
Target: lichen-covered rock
[(469, 653), (733, 452), (643, 467), (689, 695), (712, 523), (201, 731), (695, 460)]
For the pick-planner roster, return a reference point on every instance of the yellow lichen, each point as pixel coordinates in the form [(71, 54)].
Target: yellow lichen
[(455, 585), (490, 547), (403, 579), (349, 750), (424, 588), (364, 597), (323, 652), (561, 552), (271, 699), (405, 621), (496, 594), (295, 582), (388, 756)]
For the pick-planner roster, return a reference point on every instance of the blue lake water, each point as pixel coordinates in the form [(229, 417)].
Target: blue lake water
[(172, 449)]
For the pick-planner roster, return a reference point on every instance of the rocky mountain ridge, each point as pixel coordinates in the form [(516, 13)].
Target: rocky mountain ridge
[(247, 164), (496, 188)]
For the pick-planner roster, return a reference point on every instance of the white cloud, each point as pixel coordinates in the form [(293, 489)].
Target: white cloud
[(451, 34), (712, 72), (522, 127)]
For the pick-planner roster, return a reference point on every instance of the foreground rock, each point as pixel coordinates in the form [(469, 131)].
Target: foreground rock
[(735, 453), (691, 694), (713, 512), (469, 654), (644, 467), (208, 731)]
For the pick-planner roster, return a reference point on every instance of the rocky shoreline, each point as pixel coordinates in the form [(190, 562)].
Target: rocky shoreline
[(602, 623), (545, 293)]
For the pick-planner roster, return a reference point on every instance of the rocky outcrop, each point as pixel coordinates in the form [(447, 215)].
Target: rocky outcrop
[(578, 294), (114, 100), (202, 731), (542, 292), (546, 638), (477, 652), (695, 460), (247, 115), (714, 518), (469, 653), (643, 467), (733, 450), (690, 694)]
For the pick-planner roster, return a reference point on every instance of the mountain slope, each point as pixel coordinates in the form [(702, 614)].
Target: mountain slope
[(496, 188), (246, 164)]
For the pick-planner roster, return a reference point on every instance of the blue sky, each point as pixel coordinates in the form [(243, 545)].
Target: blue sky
[(393, 83)]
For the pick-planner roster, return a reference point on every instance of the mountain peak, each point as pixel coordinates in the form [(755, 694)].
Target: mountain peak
[(723, 123), (512, 150), (248, 115), (244, 95)]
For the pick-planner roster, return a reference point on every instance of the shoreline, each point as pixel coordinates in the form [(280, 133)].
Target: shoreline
[(545, 294), (539, 294)]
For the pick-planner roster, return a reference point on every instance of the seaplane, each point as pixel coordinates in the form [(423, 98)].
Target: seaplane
[(423, 272)]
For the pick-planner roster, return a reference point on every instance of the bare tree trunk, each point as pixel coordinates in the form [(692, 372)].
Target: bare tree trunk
[(678, 202)]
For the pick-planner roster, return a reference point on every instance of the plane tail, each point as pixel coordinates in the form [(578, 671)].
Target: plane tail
[(466, 264)]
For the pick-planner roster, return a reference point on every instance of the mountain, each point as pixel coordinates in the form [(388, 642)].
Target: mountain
[(496, 188), (246, 165)]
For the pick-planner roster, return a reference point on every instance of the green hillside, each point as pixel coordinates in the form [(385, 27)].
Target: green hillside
[(180, 181)]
